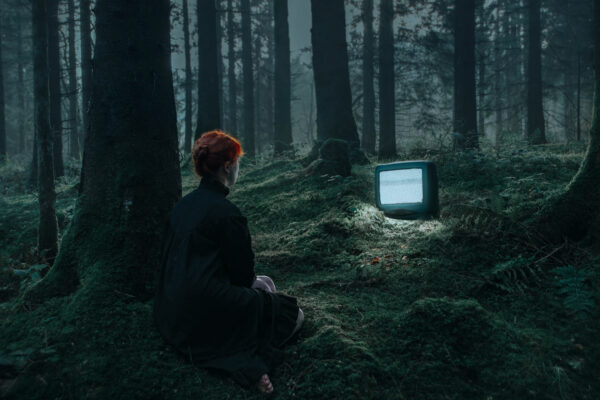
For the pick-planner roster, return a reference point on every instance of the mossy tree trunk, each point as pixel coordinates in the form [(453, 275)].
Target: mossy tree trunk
[(465, 100), (86, 63), (248, 72), (130, 176), (209, 114), (48, 226), (187, 141), (575, 212), (20, 84), (231, 75), (330, 66), (2, 117), (368, 125), (387, 92), (536, 131), (73, 120), (54, 85)]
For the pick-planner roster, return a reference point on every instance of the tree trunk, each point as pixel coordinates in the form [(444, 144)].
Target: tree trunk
[(74, 148), (209, 115), (330, 67), (220, 66), (3, 153), (187, 143), (578, 97), (86, 64), (387, 105), (283, 88), (498, 70), (130, 176), (249, 141), (48, 226), (21, 87), (54, 85), (574, 213), (481, 87), (259, 138), (368, 127), (465, 102), (536, 132), (232, 80)]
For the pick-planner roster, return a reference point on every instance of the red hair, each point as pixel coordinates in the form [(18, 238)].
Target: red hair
[(212, 150)]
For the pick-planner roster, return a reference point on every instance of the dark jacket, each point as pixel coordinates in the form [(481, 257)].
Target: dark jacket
[(204, 304)]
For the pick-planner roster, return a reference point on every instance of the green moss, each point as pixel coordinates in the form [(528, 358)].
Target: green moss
[(394, 309)]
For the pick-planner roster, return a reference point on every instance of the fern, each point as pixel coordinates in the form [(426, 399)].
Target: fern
[(514, 275), (573, 285)]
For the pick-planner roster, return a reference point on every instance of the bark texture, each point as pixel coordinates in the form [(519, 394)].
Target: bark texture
[(130, 175), (209, 114), (187, 141), (74, 147), (387, 105), (536, 131), (54, 85), (575, 213), (465, 101), (2, 115), (368, 123), (48, 226), (86, 62), (231, 75), (330, 67), (248, 72), (283, 85)]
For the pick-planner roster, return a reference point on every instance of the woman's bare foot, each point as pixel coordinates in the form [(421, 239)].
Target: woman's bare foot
[(265, 385)]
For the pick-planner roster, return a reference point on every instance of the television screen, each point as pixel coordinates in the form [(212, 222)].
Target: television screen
[(401, 186), (407, 189)]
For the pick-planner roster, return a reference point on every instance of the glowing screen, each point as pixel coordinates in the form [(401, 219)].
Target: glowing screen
[(401, 186)]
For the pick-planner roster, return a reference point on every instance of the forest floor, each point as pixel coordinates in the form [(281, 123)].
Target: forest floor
[(473, 305)]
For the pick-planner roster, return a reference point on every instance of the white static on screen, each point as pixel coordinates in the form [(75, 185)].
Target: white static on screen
[(401, 186)]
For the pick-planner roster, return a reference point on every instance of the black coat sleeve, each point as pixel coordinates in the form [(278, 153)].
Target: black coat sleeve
[(236, 250)]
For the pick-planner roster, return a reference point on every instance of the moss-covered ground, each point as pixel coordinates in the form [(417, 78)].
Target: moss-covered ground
[(473, 305)]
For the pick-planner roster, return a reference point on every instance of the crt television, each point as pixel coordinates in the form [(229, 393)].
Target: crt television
[(407, 189)]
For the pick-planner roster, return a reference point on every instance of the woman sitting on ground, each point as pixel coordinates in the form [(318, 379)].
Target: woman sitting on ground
[(210, 304)]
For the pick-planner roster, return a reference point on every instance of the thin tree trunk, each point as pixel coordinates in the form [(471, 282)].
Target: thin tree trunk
[(481, 87), (465, 102), (499, 71), (187, 144), (578, 96), (257, 95), (86, 64), (21, 87), (3, 153), (387, 104), (130, 176), (232, 80), (48, 226), (54, 85), (268, 101), (220, 66), (330, 67), (249, 139), (74, 149), (368, 127), (536, 131), (209, 115), (283, 88)]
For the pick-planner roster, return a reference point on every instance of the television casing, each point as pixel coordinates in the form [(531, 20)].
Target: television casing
[(429, 208)]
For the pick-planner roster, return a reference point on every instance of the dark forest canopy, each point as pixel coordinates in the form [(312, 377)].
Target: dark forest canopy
[(101, 101), (518, 90)]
